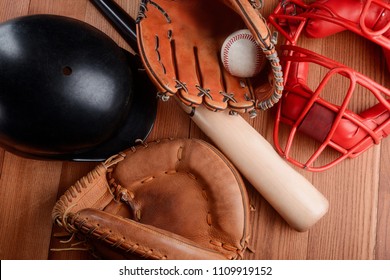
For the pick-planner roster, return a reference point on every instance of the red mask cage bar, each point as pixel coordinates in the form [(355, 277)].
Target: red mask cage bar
[(305, 110)]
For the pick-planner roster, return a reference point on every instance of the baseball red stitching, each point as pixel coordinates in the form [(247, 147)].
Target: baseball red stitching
[(231, 42)]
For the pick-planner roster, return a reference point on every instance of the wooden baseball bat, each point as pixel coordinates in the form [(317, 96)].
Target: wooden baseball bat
[(287, 191), (299, 203)]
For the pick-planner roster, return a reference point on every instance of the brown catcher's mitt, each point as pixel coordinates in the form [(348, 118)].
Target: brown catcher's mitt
[(180, 43), (169, 199)]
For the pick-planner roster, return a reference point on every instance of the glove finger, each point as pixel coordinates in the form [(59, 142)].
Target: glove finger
[(253, 20), (187, 74), (211, 78), (239, 93), (153, 38)]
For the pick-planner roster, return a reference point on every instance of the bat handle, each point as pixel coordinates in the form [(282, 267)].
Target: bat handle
[(121, 20)]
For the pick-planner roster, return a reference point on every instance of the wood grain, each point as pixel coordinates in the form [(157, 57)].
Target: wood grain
[(382, 246), (356, 226), (27, 192)]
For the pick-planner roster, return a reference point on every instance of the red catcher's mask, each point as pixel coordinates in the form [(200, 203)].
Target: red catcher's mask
[(306, 110)]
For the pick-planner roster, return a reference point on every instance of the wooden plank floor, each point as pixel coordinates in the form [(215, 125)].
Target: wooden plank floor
[(357, 225)]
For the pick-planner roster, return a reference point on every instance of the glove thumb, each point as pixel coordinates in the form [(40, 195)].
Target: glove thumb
[(254, 21)]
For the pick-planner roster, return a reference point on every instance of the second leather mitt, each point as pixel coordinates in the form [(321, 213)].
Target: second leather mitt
[(169, 199)]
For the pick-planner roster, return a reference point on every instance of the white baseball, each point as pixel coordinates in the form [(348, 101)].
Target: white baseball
[(241, 55)]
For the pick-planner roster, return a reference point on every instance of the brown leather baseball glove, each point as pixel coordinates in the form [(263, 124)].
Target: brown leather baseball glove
[(169, 199), (180, 43)]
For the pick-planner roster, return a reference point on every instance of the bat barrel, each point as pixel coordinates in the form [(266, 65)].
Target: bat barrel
[(297, 201)]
